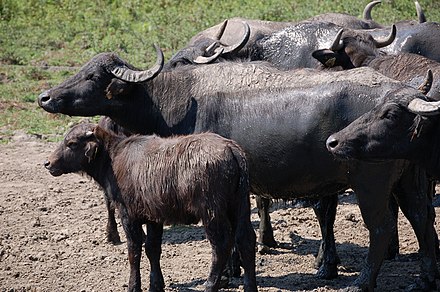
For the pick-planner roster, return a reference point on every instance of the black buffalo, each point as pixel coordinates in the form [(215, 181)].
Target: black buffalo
[(236, 38), (416, 38), (280, 118), (356, 49), (398, 128), (176, 180)]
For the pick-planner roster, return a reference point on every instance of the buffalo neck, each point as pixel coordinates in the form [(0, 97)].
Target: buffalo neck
[(431, 158), (138, 112), (101, 170)]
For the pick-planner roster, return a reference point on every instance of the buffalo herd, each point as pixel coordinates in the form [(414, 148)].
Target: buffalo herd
[(284, 110)]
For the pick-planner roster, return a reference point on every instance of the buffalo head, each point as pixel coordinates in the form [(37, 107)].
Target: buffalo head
[(75, 152), (352, 49), (205, 49), (97, 87), (402, 127)]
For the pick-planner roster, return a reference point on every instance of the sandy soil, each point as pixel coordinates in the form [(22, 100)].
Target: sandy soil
[(53, 239)]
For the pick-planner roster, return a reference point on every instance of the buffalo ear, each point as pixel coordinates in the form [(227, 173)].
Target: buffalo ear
[(327, 57), (117, 88), (102, 136), (91, 150)]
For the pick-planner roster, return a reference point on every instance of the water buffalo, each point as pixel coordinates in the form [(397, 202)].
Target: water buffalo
[(355, 49), (176, 180), (417, 38), (280, 118), (397, 128), (236, 38)]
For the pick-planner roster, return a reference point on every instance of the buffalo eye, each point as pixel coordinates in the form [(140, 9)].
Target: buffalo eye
[(72, 145), (91, 76), (390, 112)]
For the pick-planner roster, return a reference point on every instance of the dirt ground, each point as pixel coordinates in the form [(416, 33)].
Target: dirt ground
[(52, 238)]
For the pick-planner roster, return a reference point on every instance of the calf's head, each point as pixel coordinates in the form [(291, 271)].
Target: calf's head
[(78, 150), (98, 87)]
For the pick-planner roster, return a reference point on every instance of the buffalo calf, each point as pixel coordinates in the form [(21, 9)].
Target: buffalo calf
[(157, 181)]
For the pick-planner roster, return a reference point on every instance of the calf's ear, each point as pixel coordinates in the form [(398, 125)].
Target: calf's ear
[(327, 57), (91, 150), (117, 88)]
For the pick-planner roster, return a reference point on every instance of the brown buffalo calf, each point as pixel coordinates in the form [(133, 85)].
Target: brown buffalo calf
[(157, 181)]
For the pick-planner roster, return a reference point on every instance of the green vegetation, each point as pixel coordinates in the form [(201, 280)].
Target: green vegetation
[(39, 33)]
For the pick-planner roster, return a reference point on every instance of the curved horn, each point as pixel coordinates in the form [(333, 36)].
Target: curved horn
[(211, 48), (368, 8), (425, 108), (420, 14), (130, 75), (238, 46), (388, 40), (337, 43), (207, 60), (221, 30), (426, 85)]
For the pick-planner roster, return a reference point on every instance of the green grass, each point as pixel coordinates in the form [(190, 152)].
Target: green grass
[(35, 33)]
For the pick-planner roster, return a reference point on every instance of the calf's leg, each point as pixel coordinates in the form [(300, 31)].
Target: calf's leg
[(153, 249), (112, 229), (245, 241), (133, 232), (218, 232)]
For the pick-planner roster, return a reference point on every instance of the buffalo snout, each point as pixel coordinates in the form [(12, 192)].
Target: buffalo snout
[(54, 171), (332, 143), (43, 98)]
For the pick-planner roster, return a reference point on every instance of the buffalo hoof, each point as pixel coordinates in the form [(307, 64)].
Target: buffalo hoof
[(392, 252), (269, 241), (113, 238), (264, 249), (224, 283), (327, 272), (157, 286)]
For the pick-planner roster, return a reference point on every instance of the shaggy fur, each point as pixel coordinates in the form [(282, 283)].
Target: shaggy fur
[(177, 180)]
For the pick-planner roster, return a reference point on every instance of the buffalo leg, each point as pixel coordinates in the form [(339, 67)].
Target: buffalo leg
[(133, 232), (153, 250), (431, 194), (218, 232), (265, 237), (373, 197), (245, 243), (414, 198), (327, 258), (112, 229), (393, 247)]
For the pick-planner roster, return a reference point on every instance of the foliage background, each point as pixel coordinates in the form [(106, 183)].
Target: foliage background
[(36, 35)]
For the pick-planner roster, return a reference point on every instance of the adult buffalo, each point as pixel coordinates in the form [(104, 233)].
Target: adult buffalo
[(356, 49), (236, 38), (417, 38), (281, 120), (398, 128)]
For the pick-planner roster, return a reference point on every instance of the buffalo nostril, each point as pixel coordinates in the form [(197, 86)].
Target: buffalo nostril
[(332, 143), (46, 163), (43, 97)]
